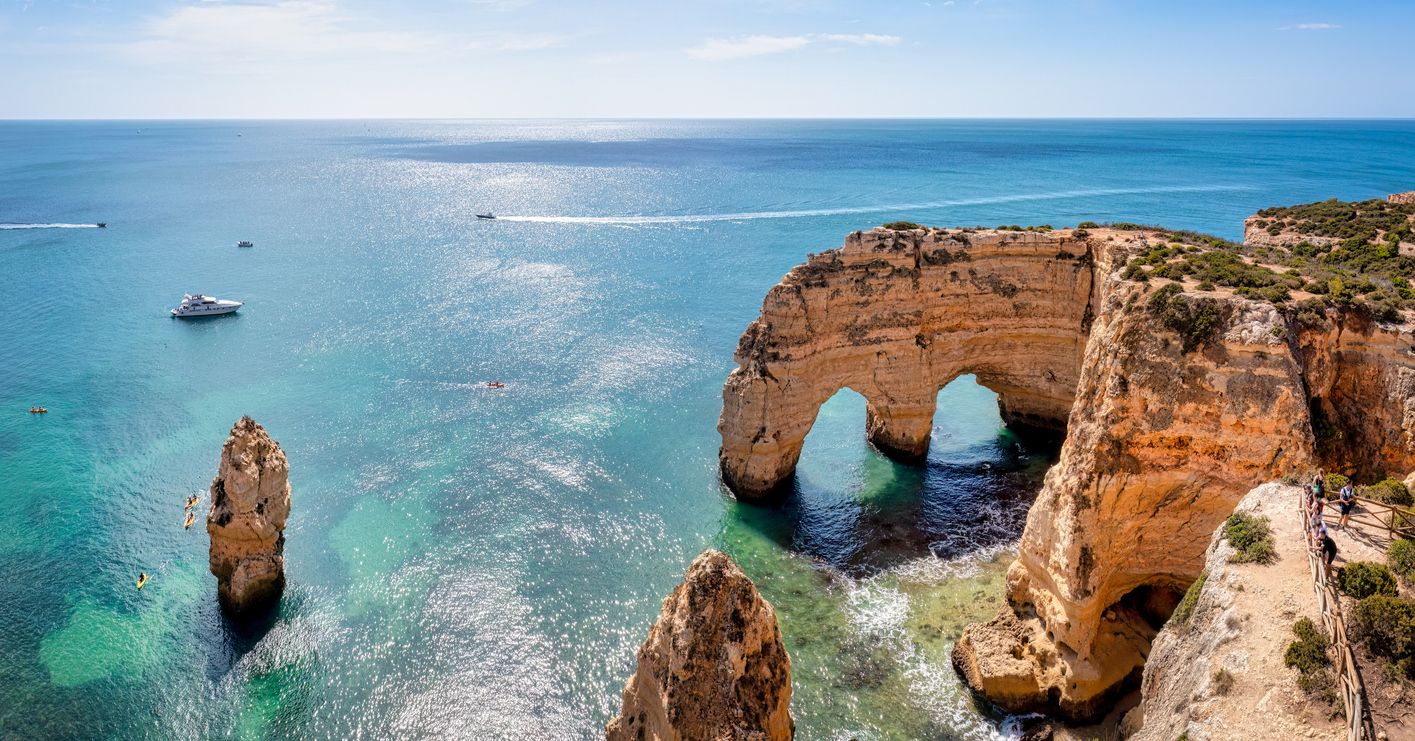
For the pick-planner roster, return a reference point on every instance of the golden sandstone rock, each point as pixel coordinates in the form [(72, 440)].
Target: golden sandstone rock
[(713, 668), (1163, 435), (250, 499)]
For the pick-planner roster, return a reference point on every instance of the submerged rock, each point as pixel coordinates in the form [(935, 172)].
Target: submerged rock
[(250, 499), (713, 667)]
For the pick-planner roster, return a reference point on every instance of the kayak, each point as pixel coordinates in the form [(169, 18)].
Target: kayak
[(142, 581), (191, 517)]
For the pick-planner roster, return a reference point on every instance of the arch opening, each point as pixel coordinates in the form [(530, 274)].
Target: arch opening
[(861, 511)]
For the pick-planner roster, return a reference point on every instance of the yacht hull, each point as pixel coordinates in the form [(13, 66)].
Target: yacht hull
[(196, 313)]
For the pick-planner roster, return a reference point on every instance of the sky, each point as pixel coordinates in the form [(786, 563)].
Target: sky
[(707, 58)]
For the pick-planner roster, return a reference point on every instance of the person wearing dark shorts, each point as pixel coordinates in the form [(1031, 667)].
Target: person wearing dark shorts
[(1346, 504), (1327, 547)]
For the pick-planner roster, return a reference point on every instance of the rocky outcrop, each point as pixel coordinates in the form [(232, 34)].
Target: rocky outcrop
[(250, 499), (1171, 416), (1212, 667), (1406, 197), (896, 316), (713, 668), (1161, 446)]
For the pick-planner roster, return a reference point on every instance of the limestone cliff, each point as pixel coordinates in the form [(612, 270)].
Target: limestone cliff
[(1406, 197), (250, 499), (1177, 397), (1217, 672), (896, 315), (713, 668)]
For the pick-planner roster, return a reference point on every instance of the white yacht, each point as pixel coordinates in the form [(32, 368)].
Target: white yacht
[(195, 304)]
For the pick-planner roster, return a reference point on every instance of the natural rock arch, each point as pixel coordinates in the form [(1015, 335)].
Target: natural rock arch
[(896, 316), (1163, 437)]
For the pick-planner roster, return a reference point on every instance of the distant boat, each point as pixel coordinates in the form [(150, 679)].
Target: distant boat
[(195, 304), (38, 410), (102, 225), (486, 216), (245, 243)]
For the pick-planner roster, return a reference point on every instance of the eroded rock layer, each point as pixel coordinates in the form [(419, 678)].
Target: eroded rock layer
[(1178, 400), (896, 316), (250, 500), (713, 668)]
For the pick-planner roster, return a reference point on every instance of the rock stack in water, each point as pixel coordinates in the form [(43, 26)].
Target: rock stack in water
[(250, 499), (713, 667)]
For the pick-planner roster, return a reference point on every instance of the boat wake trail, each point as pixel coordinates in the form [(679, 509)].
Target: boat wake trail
[(806, 213), (48, 226)]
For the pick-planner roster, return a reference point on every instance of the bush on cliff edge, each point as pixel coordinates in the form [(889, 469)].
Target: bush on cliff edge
[(1308, 655), (1386, 625), (1195, 320), (1389, 491), (1401, 557), (1251, 536), (1361, 579), (1184, 611)]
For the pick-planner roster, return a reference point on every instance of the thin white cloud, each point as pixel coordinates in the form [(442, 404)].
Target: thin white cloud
[(741, 47), (1311, 27), (286, 30)]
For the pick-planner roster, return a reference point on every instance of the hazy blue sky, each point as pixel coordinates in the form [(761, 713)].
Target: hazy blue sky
[(467, 58)]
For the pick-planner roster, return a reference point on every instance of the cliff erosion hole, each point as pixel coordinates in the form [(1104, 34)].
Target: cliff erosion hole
[(861, 511)]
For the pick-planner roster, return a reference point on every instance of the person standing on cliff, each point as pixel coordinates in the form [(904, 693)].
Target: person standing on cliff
[(1347, 503), (1318, 485), (1325, 545)]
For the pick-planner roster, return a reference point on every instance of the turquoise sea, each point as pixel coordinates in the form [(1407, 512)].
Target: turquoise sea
[(474, 563)]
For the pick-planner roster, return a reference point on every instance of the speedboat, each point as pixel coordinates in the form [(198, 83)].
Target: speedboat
[(245, 243), (195, 304), (486, 216), (102, 225)]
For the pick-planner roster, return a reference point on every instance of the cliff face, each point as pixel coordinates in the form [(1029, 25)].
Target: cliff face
[(1161, 445), (896, 315), (713, 667), (1208, 671), (250, 499), (1179, 401)]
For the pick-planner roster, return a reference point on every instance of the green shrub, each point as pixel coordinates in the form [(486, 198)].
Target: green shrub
[(1195, 320), (1206, 286), (1088, 225), (1308, 655), (1361, 579), (1388, 491), (1386, 625), (1334, 482), (1184, 611), (902, 226), (1401, 557), (1251, 536)]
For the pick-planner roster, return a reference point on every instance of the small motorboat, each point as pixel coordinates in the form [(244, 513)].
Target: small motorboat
[(102, 225), (245, 243), (495, 385), (38, 410), (487, 216), (196, 304)]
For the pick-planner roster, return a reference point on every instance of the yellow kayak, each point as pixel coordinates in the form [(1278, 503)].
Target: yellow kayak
[(191, 517), (142, 581)]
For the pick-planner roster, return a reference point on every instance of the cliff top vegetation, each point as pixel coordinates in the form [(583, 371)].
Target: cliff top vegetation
[(1332, 254)]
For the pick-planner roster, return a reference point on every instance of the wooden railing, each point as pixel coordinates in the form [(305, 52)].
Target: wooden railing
[(1397, 522), (1359, 726)]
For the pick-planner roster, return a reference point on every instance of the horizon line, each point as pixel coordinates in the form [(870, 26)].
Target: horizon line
[(580, 117)]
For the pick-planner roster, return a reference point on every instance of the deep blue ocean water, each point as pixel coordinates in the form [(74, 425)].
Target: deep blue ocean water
[(476, 563)]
